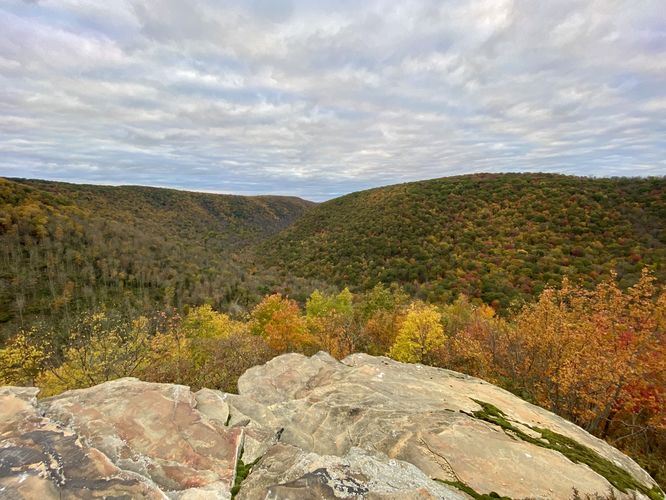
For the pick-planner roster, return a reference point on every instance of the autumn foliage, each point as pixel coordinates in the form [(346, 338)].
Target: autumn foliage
[(494, 237), (591, 355), (595, 356), (279, 322), (420, 336)]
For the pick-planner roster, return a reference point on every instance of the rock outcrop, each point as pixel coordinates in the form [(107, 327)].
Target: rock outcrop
[(304, 427)]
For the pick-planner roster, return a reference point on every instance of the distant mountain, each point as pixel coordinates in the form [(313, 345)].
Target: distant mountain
[(499, 237), (67, 246)]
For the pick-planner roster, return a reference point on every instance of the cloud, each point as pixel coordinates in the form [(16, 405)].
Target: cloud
[(321, 98)]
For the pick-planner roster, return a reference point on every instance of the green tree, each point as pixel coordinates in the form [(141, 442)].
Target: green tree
[(330, 319)]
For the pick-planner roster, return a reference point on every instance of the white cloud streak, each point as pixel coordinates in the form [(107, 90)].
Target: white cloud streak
[(320, 98)]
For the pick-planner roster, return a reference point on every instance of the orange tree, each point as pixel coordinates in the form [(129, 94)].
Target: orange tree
[(279, 321)]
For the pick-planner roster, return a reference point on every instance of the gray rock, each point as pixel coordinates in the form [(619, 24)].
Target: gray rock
[(286, 472)]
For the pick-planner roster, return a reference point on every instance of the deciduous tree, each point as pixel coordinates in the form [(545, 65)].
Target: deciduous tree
[(420, 336), (279, 321)]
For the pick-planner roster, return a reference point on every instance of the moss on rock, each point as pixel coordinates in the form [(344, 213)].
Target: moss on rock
[(574, 451), (471, 492), (242, 471)]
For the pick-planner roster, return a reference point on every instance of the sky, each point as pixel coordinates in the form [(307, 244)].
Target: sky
[(320, 98)]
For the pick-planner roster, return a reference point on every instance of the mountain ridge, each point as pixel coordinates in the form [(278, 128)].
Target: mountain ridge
[(47, 182), (497, 237)]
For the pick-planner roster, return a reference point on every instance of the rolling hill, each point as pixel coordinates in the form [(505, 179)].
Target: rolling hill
[(498, 237), (69, 247)]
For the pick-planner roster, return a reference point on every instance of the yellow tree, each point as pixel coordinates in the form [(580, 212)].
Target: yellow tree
[(101, 349), (204, 322), (420, 336), (184, 351), (22, 360), (547, 348), (203, 328)]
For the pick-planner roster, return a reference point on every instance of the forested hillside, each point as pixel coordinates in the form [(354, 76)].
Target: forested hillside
[(67, 247), (498, 237)]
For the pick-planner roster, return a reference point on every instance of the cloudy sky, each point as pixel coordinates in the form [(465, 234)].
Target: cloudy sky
[(319, 98)]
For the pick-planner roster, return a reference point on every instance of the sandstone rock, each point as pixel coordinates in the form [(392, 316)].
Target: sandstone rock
[(40, 459), (213, 405), (314, 427), (423, 416), (153, 430)]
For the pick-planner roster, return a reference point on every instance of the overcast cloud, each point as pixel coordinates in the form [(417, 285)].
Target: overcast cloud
[(320, 98)]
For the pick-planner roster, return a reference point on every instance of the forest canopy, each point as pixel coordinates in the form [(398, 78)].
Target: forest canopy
[(501, 238)]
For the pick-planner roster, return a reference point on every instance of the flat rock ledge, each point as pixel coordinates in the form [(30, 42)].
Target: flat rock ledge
[(305, 428)]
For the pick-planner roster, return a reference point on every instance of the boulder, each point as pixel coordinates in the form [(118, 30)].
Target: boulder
[(122, 438), (212, 404), (305, 427), (153, 430), (288, 472), (436, 420)]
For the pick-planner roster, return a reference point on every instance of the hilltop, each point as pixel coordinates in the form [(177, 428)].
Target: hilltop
[(68, 247), (227, 221), (498, 237)]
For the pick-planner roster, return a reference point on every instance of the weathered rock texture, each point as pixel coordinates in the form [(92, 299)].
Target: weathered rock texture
[(313, 428)]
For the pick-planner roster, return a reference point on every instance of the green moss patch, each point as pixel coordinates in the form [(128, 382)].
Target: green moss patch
[(471, 492), (242, 471), (571, 449)]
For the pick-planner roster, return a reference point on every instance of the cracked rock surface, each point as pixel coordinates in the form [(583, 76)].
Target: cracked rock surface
[(124, 438), (314, 427)]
